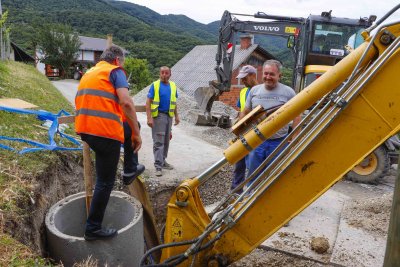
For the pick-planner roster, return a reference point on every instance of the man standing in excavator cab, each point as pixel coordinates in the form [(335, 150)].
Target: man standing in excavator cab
[(248, 76), (102, 101), (161, 107), (270, 94)]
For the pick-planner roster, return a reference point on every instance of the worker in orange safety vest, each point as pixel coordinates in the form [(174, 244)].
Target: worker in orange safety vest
[(101, 101)]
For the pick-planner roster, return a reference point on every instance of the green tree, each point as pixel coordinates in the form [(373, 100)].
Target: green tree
[(138, 73), (287, 76), (59, 45)]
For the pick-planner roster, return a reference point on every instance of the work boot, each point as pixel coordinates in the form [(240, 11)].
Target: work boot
[(100, 234), (158, 172), (167, 166), (129, 177)]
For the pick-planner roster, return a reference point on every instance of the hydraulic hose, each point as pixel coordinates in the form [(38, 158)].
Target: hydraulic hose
[(174, 244)]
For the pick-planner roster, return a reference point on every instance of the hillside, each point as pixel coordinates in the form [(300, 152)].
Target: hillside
[(97, 18), (179, 24), (30, 182), (161, 39)]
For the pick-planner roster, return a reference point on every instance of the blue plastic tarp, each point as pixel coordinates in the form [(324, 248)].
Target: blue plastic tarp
[(53, 129)]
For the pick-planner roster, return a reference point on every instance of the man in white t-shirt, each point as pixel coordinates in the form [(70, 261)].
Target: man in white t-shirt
[(269, 94)]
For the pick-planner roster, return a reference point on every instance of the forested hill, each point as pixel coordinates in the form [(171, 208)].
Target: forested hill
[(180, 24), (161, 39), (145, 33)]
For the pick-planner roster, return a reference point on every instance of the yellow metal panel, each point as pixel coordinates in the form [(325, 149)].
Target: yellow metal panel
[(316, 69)]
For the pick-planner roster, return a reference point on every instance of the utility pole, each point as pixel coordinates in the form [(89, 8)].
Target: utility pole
[(392, 256)]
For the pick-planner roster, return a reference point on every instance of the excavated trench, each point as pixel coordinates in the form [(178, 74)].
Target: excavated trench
[(65, 178), (56, 182)]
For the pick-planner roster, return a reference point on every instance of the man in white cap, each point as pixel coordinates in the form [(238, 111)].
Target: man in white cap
[(247, 76), (269, 94)]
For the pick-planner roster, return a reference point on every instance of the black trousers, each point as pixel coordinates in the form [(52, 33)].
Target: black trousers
[(107, 155)]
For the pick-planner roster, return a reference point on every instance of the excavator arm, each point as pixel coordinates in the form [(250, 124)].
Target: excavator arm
[(368, 103), (229, 27)]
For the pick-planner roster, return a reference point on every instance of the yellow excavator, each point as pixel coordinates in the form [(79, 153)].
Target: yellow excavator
[(317, 43), (340, 130)]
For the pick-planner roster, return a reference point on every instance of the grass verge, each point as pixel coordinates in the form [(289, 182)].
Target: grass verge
[(22, 81)]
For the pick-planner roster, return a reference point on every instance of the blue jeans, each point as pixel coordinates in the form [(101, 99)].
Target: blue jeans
[(107, 155), (239, 172), (258, 155), (130, 157)]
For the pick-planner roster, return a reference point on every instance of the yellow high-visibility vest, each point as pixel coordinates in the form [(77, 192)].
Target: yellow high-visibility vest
[(243, 98), (156, 100)]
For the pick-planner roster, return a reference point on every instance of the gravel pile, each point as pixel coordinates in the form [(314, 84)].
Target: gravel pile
[(218, 186), (371, 215), (262, 258)]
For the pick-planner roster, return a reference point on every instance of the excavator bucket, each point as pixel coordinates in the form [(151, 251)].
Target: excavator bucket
[(205, 97)]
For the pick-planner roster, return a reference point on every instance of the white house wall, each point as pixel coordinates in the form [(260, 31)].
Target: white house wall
[(41, 67), (88, 55)]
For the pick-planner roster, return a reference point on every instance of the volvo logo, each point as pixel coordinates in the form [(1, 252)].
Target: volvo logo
[(267, 28)]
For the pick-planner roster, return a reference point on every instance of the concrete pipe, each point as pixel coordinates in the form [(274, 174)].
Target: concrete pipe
[(65, 226)]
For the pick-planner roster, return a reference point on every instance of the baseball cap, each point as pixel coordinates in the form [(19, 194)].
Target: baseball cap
[(246, 70)]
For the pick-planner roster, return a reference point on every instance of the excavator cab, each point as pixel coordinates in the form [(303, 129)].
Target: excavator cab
[(327, 40)]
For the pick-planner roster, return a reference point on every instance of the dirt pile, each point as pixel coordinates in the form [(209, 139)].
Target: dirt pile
[(319, 244)]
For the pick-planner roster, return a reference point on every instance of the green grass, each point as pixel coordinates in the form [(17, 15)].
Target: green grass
[(17, 171), (13, 253), (25, 82)]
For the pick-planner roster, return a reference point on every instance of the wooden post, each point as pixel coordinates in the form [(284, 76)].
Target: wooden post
[(87, 173), (392, 255), (138, 190)]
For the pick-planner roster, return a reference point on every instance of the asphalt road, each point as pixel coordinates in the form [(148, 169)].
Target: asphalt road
[(68, 89)]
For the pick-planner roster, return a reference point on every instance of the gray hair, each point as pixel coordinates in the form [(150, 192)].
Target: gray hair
[(112, 53), (274, 62)]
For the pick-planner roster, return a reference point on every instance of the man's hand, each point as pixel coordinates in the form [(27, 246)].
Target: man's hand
[(150, 122), (136, 143), (177, 120)]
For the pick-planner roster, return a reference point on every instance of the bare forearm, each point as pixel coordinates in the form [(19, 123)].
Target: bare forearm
[(129, 110), (243, 113), (148, 108), (296, 122)]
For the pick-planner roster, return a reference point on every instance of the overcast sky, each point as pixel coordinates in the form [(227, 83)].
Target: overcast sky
[(206, 11)]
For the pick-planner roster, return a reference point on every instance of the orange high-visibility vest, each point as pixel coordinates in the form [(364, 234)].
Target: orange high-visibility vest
[(97, 106)]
